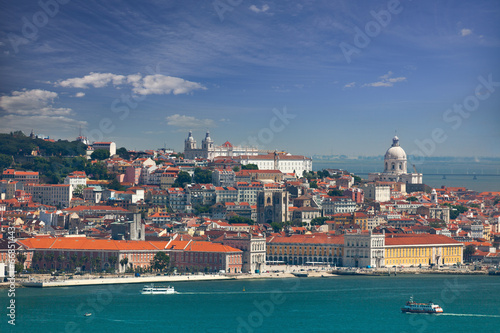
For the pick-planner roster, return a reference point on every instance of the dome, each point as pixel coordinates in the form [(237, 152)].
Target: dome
[(395, 153)]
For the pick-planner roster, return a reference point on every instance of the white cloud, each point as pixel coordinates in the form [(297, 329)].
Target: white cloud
[(386, 81), (28, 109), (79, 94), (161, 84), (188, 121), (32, 102), (350, 85), (256, 9), (147, 85), (97, 80), (465, 32)]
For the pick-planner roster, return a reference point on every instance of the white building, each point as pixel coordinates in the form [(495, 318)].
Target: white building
[(222, 177), (336, 205), (395, 167), (48, 194), (286, 163), (380, 193), (209, 151), (363, 249), (109, 146), (76, 178)]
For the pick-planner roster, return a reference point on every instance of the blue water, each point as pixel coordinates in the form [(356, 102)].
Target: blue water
[(457, 173), (336, 304)]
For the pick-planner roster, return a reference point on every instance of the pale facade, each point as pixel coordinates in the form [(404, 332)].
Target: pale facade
[(285, 163), (209, 151)]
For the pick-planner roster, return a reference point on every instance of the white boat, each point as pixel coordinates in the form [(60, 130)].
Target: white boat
[(413, 307), (157, 290)]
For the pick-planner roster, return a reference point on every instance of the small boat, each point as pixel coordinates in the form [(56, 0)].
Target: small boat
[(157, 290), (88, 314), (413, 307)]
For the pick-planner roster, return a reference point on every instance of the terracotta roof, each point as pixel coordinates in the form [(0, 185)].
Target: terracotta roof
[(418, 239), (318, 238), (90, 244)]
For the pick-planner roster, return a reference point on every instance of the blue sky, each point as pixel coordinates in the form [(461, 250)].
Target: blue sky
[(309, 77)]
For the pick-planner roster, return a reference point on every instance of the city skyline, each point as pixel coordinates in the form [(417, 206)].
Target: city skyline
[(309, 78)]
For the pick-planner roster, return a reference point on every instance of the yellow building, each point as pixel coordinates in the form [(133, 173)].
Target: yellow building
[(316, 248), (422, 249)]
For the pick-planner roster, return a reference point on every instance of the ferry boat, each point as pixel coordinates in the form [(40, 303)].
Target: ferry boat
[(413, 307), (157, 290)]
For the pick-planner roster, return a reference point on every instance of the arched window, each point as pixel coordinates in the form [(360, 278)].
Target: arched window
[(386, 166), (400, 166), (392, 166), (268, 200)]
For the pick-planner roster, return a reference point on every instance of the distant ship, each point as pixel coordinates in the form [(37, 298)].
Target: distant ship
[(157, 290), (413, 307)]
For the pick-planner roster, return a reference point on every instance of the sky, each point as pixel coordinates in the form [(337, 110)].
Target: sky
[(307, 77)]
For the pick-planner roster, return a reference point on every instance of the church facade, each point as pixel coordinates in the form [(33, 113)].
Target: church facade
[(395, 167), (209, 151)]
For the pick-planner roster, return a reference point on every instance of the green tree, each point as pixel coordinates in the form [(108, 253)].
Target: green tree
[(112, 262), (240, 219), (160, 261), (182, 179), (250, 167), (124, 262), (313, 184), (5, 161), (202, 176), (100, 154), (277, 226), (115, 185), (412, 199), (78, 191), (335, 193), (319, 220), (202, 209), (456, 210), (123, 153), (236, 168), (468, 252)]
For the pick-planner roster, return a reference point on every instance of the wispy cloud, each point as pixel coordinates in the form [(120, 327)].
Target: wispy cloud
[(147, 85), (256, 9), (350, 85), (186, 122), (465, 32), (80, 94), (386, 81)]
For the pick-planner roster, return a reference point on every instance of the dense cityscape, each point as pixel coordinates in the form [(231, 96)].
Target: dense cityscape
[(228, 209), (263, 166)]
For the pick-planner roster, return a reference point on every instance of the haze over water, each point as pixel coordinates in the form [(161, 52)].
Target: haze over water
[(457, 173)]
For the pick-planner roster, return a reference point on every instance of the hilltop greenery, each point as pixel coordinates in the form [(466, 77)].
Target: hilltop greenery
[(18, 144)]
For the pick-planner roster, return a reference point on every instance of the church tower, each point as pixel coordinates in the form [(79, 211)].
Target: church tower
[(207, 145), (190, 142)]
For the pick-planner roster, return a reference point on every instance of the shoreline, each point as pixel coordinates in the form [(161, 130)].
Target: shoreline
[(96, 280)]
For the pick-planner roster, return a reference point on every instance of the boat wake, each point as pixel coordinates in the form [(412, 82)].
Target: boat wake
[(468, 315)]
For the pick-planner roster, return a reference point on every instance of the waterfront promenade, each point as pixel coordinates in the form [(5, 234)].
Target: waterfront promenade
[(271, 272)]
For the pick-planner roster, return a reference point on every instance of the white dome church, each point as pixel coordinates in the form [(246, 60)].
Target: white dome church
[(395, 167)]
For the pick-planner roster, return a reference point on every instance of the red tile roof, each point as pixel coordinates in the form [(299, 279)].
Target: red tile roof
[(418, 239)]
